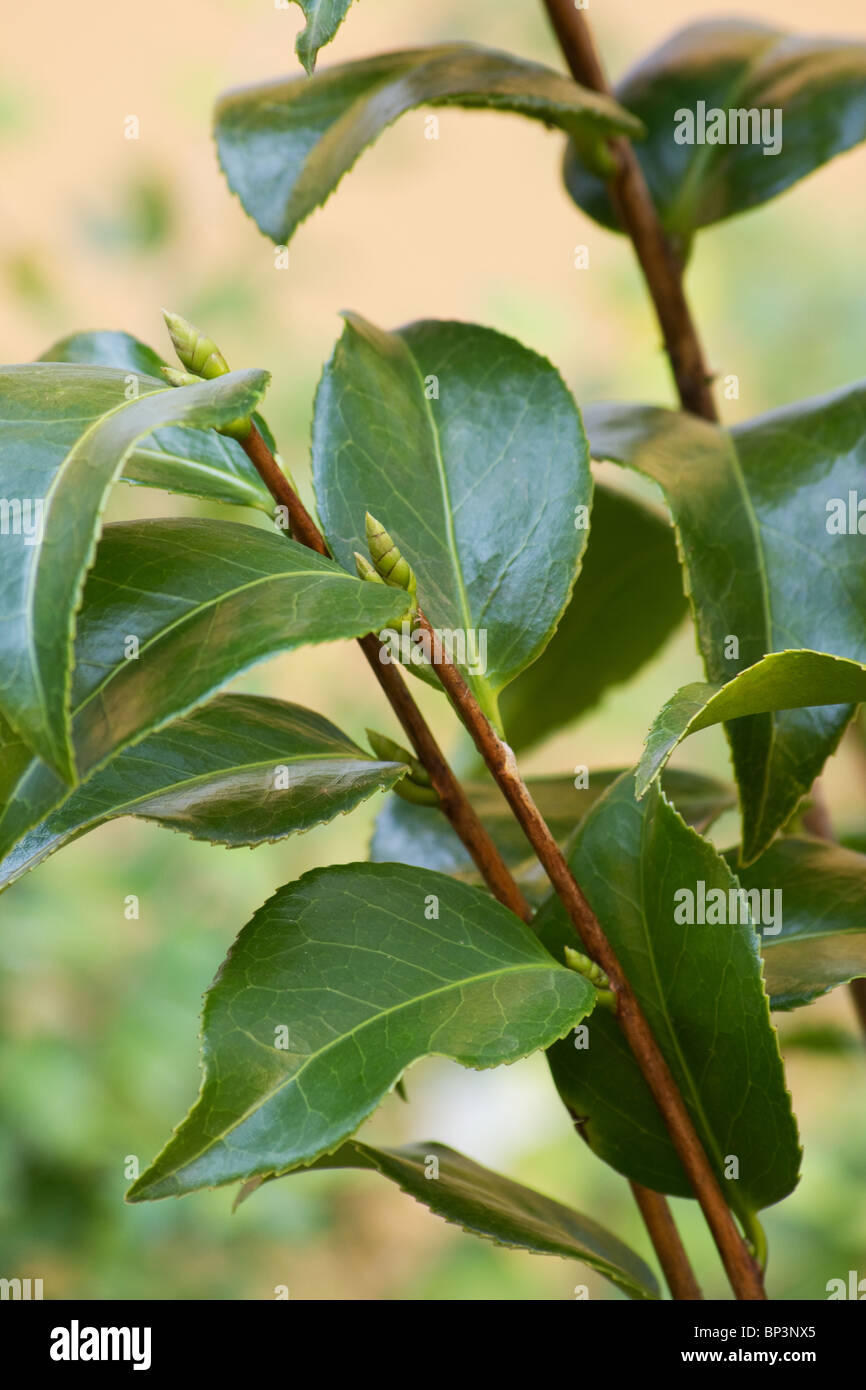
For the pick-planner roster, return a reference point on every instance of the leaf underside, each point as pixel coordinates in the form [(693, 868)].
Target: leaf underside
[(244, 770), (818, 86), (285, 146), (484, 1203), (765, 571)]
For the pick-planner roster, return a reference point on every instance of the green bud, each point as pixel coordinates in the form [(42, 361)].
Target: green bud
[(606, 999), (586, 967), (387, 558), (196, 352), (175, 377), (417, 795), (391, 752), (366, 571)]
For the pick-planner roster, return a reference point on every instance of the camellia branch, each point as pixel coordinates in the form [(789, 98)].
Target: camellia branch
[(742, 1269), (638, 217), (466, 824), (199, 353)]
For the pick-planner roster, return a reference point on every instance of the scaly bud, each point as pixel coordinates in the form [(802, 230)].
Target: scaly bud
[(586, 967), (391, 752), (387, 558), (366, 571), (196, 352)]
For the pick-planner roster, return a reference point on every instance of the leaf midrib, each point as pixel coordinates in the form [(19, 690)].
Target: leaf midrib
[(462, 596)]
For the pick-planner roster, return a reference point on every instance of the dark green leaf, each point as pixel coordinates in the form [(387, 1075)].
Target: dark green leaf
[(205, 600), (285, 146), (701, 990), (324, 18), (350, 962), (818, 85), (490, 1205), (628, 600), (783, 681), (59, 454), (754, 512), (108, 349), (197, 463), (241, 771), (478, 487), (822, 941)]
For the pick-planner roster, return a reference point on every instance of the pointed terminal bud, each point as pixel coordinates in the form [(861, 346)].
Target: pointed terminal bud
[(387, 558), (195, 351), (365, 570), (391, 752)]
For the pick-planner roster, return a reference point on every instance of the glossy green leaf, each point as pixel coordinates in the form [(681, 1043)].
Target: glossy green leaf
[(615, 622), (285, 146), (700, 987), (242, 771), (335, 987), (767, 571), (818, 86), (487, 1204), (822, 940), (478, 487), (204, 600), (196, 463), (782, 681), (324, 18), (67, 432)]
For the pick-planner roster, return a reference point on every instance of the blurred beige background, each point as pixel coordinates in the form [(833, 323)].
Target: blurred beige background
[(98, 1046)]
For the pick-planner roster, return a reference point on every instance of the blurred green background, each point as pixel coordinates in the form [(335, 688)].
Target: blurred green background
[(98, 1038)]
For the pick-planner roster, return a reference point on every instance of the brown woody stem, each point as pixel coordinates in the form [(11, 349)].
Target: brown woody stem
[(637, 214), (455, 804), (742, 1270), (672, 1257)]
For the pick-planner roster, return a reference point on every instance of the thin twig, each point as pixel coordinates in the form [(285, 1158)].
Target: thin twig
[(637, 214), (741, 1268), (659, 1221)]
